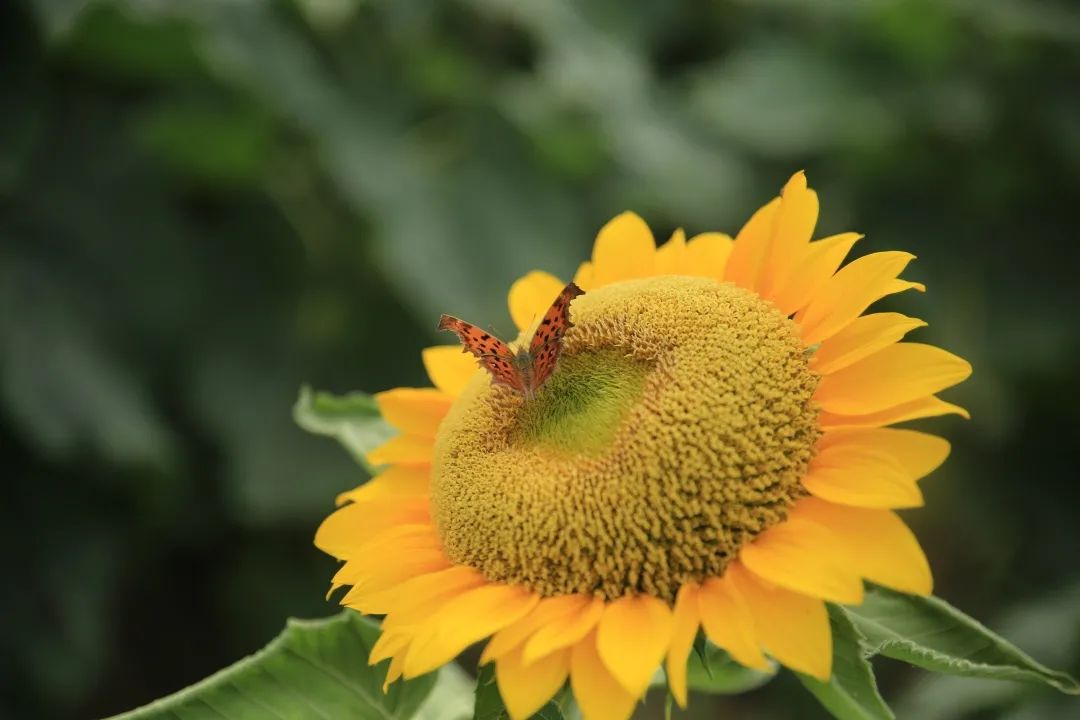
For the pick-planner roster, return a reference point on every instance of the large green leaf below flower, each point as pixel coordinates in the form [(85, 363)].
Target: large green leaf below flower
[(927, 632), (314, 669), (930, 633)]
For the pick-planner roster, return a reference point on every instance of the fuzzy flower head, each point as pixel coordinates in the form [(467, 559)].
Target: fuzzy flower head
[(712, 454)]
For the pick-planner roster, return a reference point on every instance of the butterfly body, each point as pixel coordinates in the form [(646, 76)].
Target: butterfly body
[(524, 367), (528, 368)]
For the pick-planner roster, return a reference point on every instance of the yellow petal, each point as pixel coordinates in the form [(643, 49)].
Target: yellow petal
[(707, 255), (394, 671), (564, 631), (918, 453), (794, 628), (525, 688), (751, 245), (850, 291), (390, 559), (671, 256), (410, 612), (632, 637), (531, 296), (379, 551), (598, 693), (450, 581), (861, 476), (415, 564), (408, 623), (405, 449), (795, 221), (449, 368), (803, 556), (624, 250), (925, 407), (466, 619), (394, 481), (414, 411), (387, 645), (881, 547), (386, 578), (899, 286), (347, 573), (817, 265), (585, 277), (728, 623), (348, 528), (683, 632), (863, 337), (547, 611), (892, 376)]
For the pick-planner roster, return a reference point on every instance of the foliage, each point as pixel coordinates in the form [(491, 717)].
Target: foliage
[(931, 634), (711, 670), (352, 419), (314, 668)]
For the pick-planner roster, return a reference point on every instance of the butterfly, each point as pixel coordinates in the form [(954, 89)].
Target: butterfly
[(524, 371)]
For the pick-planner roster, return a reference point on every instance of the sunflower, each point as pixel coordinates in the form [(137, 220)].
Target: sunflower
[(712, 454)]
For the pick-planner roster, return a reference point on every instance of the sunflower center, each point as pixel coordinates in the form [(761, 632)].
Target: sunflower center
[(675, 430)]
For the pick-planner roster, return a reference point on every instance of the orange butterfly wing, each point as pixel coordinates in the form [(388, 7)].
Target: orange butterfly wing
[(495, 355), (547, 342)]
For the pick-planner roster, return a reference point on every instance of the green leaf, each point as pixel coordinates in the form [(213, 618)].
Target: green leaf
[(111, 40), (314, 668), (208, 141), (851, 693), (1046, 625), (711, 670), (489, 704), (932, 634), (79, 393), (451, 698), (352, 419)]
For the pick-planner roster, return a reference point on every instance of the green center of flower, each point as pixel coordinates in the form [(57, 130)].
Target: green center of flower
[(676, 429), (582, 407)]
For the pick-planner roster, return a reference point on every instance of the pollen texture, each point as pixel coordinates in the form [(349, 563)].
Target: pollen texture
[(676, 429)]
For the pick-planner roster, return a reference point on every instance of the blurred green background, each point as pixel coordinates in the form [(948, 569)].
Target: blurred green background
[(205, 204)]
